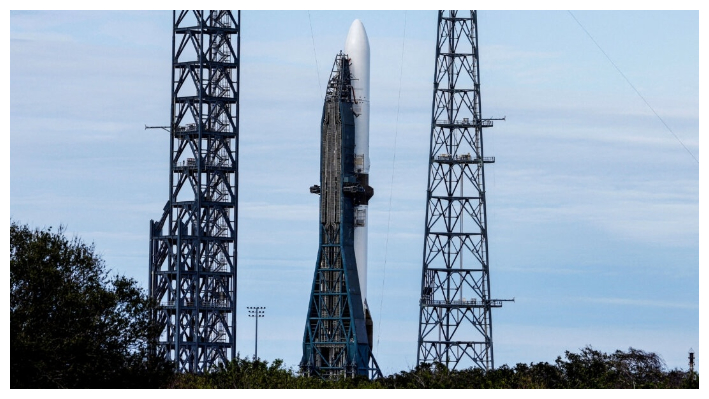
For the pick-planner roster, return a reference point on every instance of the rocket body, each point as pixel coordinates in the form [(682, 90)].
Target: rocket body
[(357, 49)]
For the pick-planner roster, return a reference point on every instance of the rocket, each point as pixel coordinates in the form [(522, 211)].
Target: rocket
[(357, 49), (339, 328)]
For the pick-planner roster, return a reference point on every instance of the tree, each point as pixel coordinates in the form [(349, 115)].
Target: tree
[(638, 369), (71, 324), (588, 369)]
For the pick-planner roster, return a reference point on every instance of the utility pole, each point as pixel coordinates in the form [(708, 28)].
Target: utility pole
[(256, 312)]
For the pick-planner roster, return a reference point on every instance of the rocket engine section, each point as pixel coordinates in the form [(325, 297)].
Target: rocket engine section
[(338, 333)]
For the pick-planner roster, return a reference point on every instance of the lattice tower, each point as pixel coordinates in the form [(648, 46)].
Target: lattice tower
[(455, 320), (193, 246)]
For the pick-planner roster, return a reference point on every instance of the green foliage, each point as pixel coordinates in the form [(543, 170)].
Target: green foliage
[(71, 325), (632, 369), (588, 369), (243, 373)]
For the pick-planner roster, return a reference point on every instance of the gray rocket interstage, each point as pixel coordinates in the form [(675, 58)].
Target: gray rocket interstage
[(338, 333)]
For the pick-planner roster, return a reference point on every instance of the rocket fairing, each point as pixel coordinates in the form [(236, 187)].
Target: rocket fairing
[(357, 49)]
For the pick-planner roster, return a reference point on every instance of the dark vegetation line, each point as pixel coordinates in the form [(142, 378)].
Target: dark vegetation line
[(74, 325), (588, 369)]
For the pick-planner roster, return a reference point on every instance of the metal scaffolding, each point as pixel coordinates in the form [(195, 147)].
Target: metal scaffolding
[(193, 245), (455, 321), (336, 342)]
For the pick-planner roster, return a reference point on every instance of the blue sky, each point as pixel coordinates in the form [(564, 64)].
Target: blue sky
[(593, 203)]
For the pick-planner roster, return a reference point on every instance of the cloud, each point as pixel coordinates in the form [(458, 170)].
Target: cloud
[(537, 343), (661, 210), (641, 302), (280, 212)]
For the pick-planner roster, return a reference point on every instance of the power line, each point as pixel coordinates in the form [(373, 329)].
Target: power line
[(317, 67), (633, 86), (391, 188)]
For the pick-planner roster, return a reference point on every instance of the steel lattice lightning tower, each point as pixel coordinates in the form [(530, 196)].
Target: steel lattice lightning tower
[(455, 321), (193, 245)]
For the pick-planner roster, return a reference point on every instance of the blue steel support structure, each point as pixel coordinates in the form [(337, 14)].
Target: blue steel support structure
[(455, 319), (336, 342), (193, 245)]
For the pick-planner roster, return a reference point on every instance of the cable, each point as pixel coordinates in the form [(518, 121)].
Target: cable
[(391, 188), (631, 85), (317, 67)]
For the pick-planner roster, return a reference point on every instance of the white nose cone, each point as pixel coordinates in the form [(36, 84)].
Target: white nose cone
[(357, 49)]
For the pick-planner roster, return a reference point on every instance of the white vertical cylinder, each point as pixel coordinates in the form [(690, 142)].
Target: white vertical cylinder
[(357, 49)]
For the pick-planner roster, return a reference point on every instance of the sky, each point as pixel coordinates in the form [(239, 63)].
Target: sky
[(593, 202)]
